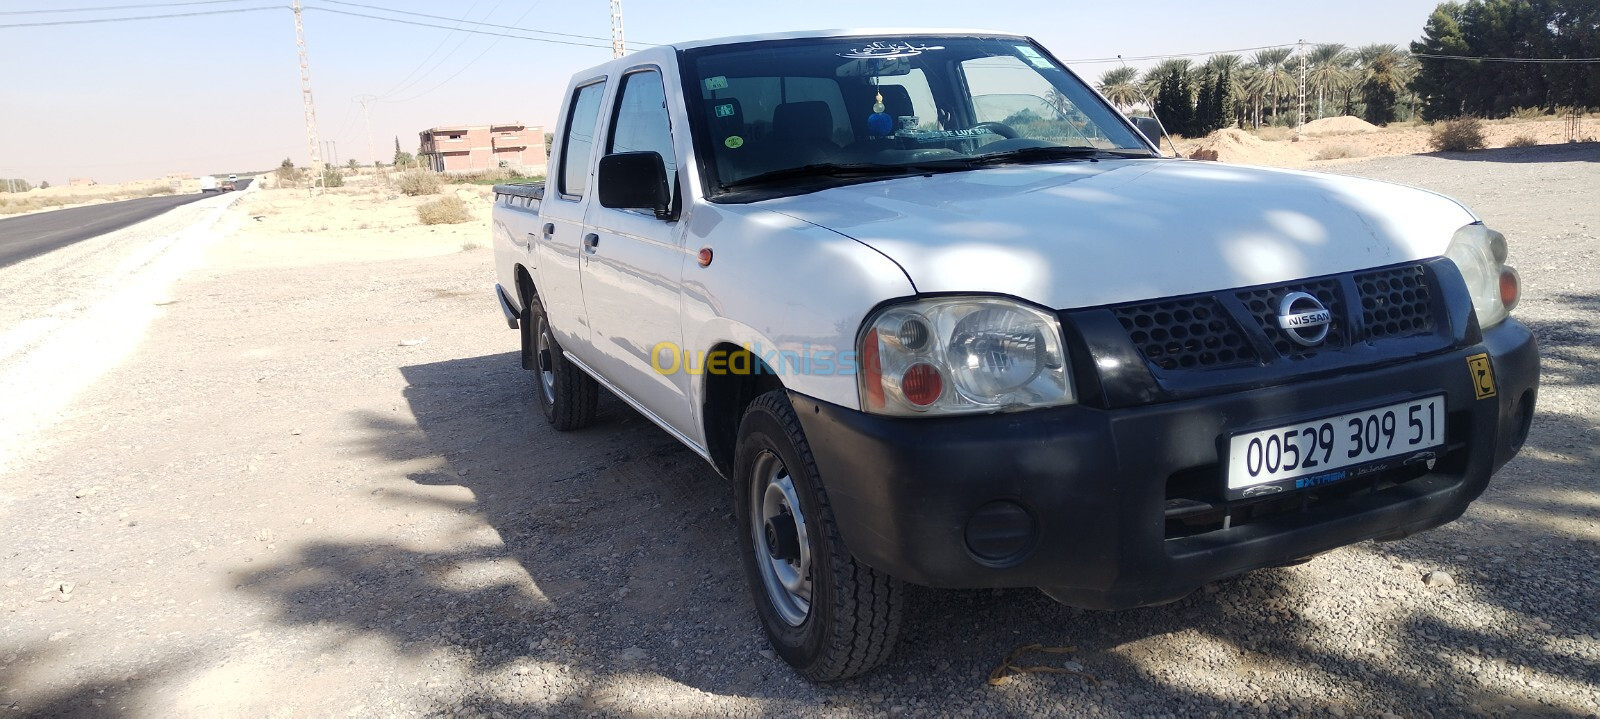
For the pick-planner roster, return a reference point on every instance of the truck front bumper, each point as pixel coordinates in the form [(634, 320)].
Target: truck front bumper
[(1085, 493)]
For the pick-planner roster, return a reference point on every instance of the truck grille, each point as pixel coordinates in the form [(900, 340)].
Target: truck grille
[(1235, 328), (1262, 302), (1186, 333), (1395, 302)]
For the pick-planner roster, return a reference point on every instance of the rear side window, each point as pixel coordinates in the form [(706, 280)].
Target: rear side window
[(642, 125), (579, 144)]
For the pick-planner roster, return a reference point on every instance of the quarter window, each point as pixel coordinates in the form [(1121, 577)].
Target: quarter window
[(642, 124), (578, 145)]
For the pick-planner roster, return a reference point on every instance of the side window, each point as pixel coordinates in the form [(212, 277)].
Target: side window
[(642, 124), (579, 143)]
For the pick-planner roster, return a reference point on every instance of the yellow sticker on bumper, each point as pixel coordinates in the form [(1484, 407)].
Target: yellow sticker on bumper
[(1482, 375)]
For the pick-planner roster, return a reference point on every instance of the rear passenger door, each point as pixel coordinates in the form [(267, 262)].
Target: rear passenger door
[(633, 264), (558, 240)]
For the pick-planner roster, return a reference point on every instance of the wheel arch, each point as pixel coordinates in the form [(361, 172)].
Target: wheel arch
[(726, 395)]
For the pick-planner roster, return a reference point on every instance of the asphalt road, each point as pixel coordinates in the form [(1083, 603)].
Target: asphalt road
[(33, 235)]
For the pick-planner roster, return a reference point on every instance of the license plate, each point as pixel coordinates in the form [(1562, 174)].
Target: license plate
[(1328, 450)]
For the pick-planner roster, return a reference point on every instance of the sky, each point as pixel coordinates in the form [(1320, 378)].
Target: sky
[(221, 93)]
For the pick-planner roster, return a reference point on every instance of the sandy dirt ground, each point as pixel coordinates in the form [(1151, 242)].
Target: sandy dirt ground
[(1351, 137), (319, 486)]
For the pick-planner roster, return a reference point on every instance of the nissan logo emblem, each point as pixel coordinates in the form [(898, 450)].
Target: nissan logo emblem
[(1303, 318)]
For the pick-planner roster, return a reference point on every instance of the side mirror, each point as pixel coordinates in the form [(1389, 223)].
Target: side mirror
[(1151, 128), (635, 181)]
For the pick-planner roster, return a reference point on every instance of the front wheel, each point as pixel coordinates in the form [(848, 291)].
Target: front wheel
[(567, 396), (828, 615)]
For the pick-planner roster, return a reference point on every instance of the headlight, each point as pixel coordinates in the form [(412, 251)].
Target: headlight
[(1480, 254), (957, 355)]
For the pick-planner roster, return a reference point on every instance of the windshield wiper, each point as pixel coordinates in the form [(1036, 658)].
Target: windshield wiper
[(1033, 154), (831, 169)]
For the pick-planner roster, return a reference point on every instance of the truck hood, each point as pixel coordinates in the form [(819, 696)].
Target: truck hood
[(1083, 234)]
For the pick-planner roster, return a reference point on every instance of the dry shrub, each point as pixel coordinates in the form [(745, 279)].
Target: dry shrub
[(1527, 113), (419, 183), (449, 210), (1462, 133), (1523, 140), (1339, 152)]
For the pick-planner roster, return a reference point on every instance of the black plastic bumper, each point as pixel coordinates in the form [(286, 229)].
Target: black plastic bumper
[(1095, 482)]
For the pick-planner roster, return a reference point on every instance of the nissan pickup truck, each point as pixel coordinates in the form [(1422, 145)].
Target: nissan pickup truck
[(943, 316)]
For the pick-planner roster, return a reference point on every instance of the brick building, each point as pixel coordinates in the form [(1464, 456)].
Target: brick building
[(473, 148)]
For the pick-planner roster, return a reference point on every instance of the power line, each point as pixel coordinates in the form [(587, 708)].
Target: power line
[(144, 17), (115, 7), (470, 63), (480, 24), (446, 27), (403, 83), (465, 38)]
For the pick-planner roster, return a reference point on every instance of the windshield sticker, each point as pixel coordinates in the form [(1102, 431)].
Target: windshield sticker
[(734, 142), (724, 110), (881, 49), (1034, 57), (719, 82)]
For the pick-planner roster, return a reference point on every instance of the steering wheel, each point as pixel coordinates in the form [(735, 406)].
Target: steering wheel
[(998, 128)]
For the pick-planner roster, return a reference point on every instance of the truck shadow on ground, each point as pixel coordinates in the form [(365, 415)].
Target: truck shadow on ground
[(628, 547)]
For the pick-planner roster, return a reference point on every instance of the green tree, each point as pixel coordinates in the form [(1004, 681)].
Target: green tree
[(353, 165), (1120, 85), (1328, 70), (401, 157), (1275, 80), (1174, 101), (44, 184), (1385, 71)]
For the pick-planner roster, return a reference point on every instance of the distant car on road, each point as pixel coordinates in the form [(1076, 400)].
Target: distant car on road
[(229, 184), (209, 184)]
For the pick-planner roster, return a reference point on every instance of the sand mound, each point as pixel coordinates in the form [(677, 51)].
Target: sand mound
[(1346, 125), (1234, 145)]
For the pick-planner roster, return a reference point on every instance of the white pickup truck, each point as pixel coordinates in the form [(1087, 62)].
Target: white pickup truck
[(942, 315)]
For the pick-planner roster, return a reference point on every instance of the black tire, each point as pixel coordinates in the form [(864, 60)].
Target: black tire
[(853, 619), (569, 401)]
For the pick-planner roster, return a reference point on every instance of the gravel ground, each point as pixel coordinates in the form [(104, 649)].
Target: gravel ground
[(326, 490)]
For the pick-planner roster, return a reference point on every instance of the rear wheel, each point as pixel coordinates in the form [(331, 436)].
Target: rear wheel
[(566, 394), (828, 615)]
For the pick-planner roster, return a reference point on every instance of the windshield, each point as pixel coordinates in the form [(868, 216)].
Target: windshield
[(798, 111)]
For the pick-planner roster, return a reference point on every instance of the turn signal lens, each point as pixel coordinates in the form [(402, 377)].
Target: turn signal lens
[(872, 371), (1510, 287), (922, 384)]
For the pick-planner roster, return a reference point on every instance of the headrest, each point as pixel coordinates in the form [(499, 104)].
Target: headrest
[(896, 100), (809, 120)]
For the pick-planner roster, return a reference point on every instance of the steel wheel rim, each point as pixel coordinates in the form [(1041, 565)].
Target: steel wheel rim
[(547, 370), (785, 565)]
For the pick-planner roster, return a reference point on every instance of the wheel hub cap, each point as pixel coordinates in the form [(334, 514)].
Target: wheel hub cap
[(778, 529)]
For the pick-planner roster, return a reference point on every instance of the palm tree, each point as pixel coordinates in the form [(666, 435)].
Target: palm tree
[(1328, 70), (1385, 70), (1233, 67), (1275, 78), (1120, 86)]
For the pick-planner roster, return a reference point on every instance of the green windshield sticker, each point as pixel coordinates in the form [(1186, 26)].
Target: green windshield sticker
[(734, 142), (719, 82), (724, 110), (1034, 56)]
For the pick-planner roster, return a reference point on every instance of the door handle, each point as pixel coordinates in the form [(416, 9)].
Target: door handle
[(549, 230), (591, 243)]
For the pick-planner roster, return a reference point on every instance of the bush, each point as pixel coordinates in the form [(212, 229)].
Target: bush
[(332, 178), (1462, 133), (1339, 152), (1527, 113), (419, 183), (448, 210), (1523, 140)]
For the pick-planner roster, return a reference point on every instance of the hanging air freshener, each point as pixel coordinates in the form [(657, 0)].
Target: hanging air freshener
[(879, 122)]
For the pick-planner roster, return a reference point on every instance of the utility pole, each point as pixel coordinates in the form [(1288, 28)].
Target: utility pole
[(305, 92), (1302, 52), (618, 47), (366, 115)]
